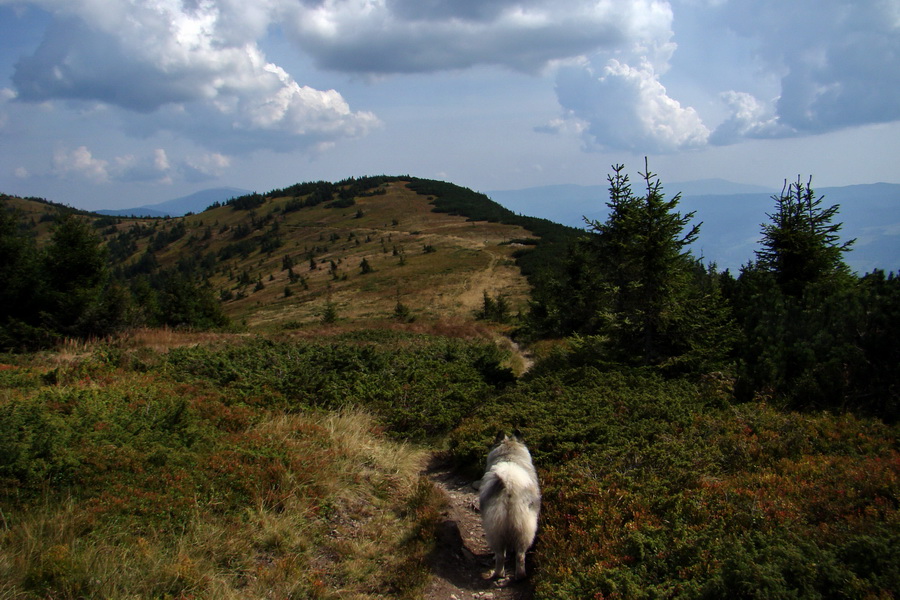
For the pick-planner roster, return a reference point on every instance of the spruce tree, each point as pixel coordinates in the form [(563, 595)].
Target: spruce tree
[(800, 308), (20, 285), (801, 245), (79, 300), (330, 313), (639, 287)]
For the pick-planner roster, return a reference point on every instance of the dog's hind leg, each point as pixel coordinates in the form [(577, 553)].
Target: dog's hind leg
[(520, 564), (499, 559)]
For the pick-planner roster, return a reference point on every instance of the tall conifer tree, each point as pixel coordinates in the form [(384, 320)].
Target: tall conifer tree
[(801, 244), (75, 270), (799, 307), (633, 283)]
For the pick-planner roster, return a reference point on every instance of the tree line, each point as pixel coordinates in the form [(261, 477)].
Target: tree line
[(67, 289), (795, 326)]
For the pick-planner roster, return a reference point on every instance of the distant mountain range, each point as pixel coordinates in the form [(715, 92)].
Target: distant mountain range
[(732, 216), (179, 207), (199, 201)]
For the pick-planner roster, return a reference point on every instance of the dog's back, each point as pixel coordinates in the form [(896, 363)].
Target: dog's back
[(510, 501)]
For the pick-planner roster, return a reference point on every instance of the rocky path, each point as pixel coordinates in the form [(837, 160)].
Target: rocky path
[(462, 562)]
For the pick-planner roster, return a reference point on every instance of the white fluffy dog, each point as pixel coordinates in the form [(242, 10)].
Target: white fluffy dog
[(510, 501)]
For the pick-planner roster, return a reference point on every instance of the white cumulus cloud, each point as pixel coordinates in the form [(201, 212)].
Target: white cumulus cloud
[(197, 68), (190, 57), (80, 164), (749, 118), (145, 168), (204, 167), (614, 98), (626, 107), (161, 160), (6, 95), (834, 65), (837, 63)]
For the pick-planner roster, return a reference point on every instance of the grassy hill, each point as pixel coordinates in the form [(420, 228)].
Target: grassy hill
[(357, 248), (37, 214)]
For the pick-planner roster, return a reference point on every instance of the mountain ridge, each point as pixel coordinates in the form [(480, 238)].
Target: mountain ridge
[(200, 200), (374, 248), (178, 207), (371, 246)]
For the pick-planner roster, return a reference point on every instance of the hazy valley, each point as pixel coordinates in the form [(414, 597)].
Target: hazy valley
[(732, 217)]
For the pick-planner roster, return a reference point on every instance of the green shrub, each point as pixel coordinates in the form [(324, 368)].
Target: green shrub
[(418, 386), (656, 488)]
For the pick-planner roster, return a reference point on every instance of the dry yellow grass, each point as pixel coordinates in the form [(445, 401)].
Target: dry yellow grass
[(392, 235), (368, 544), (391, 231)]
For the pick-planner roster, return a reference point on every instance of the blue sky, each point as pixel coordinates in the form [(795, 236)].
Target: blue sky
[(115, 103)]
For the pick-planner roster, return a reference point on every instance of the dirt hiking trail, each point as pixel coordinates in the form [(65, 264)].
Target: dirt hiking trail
[(462, 562)]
